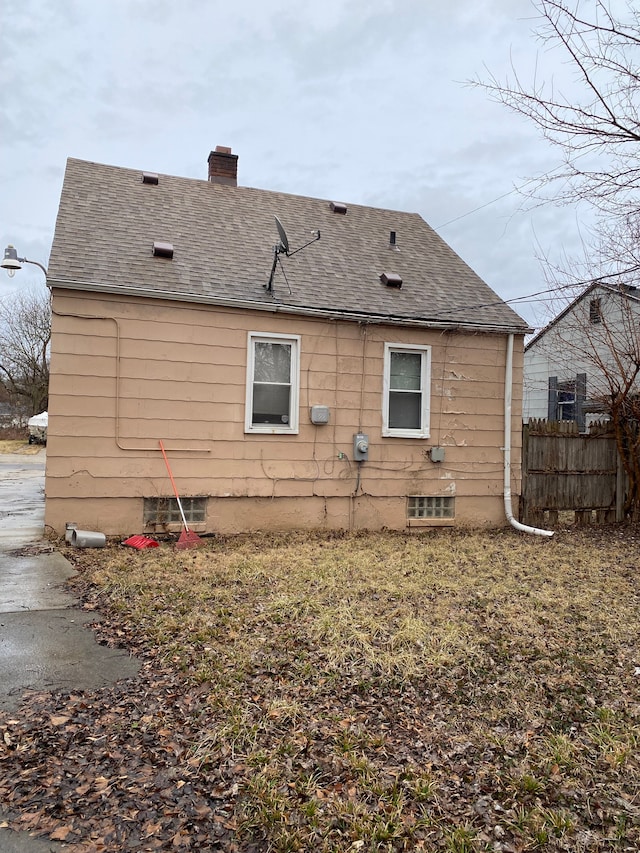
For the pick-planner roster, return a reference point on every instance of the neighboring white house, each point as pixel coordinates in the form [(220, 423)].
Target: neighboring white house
[(570, 365)]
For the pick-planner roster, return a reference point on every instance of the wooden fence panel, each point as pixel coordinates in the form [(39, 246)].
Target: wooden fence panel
[(564, 470)]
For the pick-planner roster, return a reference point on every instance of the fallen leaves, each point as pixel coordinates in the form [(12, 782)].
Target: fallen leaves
[(458, 692), (61, 833)]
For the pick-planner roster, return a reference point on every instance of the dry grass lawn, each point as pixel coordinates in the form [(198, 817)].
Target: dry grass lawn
[(19, 445), (361, 692)]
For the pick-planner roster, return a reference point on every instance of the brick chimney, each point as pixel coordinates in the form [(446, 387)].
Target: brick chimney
[(223, 167)]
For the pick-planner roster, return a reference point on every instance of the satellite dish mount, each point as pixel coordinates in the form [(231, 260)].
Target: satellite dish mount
[(283, 248)]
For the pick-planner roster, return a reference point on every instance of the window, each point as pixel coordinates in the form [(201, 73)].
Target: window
[(567, 401), (407, 372), (163, 511), (595, 311), (273, 380), (421, 506)]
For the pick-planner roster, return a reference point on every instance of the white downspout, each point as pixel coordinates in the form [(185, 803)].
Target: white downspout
[(508, 393)]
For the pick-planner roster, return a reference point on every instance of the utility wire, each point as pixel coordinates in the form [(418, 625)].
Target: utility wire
[(482, 206), (532, 296), (507, 194)]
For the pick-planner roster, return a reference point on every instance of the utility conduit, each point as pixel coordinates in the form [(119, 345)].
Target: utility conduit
[(147, 446)]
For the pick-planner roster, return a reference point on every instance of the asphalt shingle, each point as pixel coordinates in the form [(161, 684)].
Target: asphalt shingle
[(224, 237)]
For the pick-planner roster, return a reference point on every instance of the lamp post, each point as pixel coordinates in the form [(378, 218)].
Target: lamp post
[(11, 262)]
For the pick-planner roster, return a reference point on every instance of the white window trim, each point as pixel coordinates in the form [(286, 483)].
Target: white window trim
[(425, 389), (270, 429)]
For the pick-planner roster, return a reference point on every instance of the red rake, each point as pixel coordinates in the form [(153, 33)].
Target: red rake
[(188, 539)]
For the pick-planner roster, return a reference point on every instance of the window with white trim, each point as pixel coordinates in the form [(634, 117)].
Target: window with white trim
[(273, 383), (406, 399)]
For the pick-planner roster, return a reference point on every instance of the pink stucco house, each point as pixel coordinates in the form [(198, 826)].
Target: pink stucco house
[(358, 383)]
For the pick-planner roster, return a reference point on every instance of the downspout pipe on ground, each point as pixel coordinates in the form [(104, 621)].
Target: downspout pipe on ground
[(508, 395)]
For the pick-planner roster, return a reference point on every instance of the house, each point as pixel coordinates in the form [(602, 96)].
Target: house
[(572, 364), (340, 367)]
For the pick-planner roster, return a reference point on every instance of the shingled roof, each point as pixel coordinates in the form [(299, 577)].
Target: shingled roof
[(223, 240)]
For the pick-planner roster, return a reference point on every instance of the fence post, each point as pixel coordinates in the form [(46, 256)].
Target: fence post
[(524, 512), (620, 484)]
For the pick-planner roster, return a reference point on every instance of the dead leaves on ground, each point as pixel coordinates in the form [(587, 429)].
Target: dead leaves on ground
[(259, 724), (106, 776)]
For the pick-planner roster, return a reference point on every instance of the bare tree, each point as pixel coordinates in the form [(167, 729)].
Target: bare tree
[(593, 350), (596, 130), (611, 349), (25, 332)]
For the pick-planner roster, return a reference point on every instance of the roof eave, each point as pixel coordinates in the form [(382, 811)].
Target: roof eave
[(284, 308), (589, 289)]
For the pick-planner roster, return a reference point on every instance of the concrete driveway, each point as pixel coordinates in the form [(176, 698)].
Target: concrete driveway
[(43, 642), (21, 498)]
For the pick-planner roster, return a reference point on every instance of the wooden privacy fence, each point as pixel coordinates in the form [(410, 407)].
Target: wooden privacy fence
[(565, 470)]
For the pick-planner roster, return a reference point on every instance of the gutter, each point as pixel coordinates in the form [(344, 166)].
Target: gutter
[(508, 394), (321, 313)]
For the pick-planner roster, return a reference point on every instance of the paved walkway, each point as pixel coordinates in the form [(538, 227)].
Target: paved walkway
[(21, 498), (43, 642)]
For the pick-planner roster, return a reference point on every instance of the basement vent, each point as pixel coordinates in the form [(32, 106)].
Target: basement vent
[(390, 279), (338, 207), (149, 178), (159, 512), (426, 506), (163, 250)]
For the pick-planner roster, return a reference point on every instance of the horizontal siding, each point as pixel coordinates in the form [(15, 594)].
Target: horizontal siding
[(133, 483), (455, 437), (198, 403), (295, 464), (178, 374)]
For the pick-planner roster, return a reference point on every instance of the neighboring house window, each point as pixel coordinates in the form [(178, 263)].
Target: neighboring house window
[(273, 380), (407, 371), (595, 311), (423, 506), (567, 401)]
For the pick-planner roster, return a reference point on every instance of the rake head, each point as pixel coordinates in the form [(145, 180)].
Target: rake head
[(188, 539)]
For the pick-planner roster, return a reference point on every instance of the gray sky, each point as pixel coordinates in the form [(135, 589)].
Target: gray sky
[(363, 101)]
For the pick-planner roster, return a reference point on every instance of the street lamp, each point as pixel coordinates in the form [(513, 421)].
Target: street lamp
[(11, 262)]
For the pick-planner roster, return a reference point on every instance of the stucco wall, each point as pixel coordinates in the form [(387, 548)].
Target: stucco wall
[(125, 374)]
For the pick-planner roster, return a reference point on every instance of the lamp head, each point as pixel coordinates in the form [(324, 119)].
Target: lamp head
[(10, 262)]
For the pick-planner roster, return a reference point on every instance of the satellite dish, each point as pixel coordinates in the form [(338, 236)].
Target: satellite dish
[(283, 248), (284, 240)]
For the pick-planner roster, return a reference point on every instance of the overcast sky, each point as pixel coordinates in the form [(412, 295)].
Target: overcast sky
[(363, 101)]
